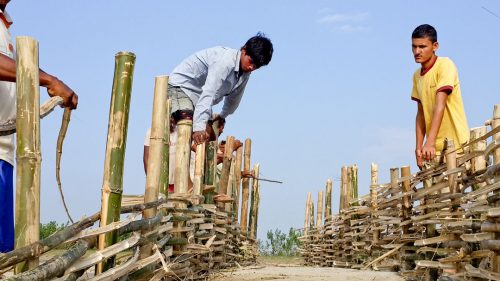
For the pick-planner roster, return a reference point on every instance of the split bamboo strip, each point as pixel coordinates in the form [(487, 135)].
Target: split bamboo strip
[(245, 186), (199, 169), (28, 155), (319, 214), (496, 160), (254, 207), (479, 162), (226, 165), (230, 187), (112, 186), (158, 137)]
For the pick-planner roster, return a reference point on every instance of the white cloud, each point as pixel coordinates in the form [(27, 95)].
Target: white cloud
[(347, 23), (338, 18)]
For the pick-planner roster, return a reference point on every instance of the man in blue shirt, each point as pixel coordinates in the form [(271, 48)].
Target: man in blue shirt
[(211, 75)]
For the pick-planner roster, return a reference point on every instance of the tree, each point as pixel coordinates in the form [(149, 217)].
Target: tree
[(281, 244)]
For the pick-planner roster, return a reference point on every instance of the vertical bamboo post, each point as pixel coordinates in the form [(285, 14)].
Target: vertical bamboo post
[(328, 200), (28, 155), (182, 156), (354, 184), (406, 206), (245, 186), (311, 214), (211, 166), (479, 162), (394, 181), (112, 186), (199, 171), (237, 182), (350, 188), (319, 214), (496, 160), (158, 137), (226, 165), (165, 158), (254, 207), (451, 163), (229, 188), (374, 203), (343, 189), (306, 220)]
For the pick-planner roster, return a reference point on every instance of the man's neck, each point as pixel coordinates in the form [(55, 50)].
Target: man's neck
[(2, 7), (428, 64)]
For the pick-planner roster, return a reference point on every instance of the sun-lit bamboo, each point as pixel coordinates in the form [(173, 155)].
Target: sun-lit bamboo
[(245, 186), (254, 208), (328, 199), (112, 186), (479, 162), (343, 189), (237, 181), (319, 214), (158, 137), (182, 156), (374, 204), (306, 219), (28, 154), (210, 166)]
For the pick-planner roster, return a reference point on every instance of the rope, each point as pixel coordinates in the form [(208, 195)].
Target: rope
[(9, 127), (60, 139)]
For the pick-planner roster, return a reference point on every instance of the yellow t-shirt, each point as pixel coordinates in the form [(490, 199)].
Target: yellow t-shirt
[(442, 76)]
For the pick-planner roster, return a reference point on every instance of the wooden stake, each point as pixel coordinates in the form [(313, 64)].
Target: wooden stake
[(254, 208), (199, 169), (211, 165), (319, 214), (496, 159), (165, 159), (328, 201), (245, 186), (354, 184), (158, 137), (343, 189), (406, 206), (479, 162), (374, 198), (237, 182), (229, 188), (308, 209), (112, 186), (28, 155)]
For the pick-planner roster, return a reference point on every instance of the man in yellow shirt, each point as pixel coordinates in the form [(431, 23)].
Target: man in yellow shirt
[(436, 89)]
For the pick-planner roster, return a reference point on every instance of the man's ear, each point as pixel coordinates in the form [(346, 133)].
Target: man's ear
[(435, 46)]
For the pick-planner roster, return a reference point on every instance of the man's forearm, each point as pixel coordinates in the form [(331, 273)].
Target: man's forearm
[(437, 117), (7, 68)]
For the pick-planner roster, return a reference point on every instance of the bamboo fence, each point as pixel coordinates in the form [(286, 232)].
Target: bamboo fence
[(159, 236), (440, 223)]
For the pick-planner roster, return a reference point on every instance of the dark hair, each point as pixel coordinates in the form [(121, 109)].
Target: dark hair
[(425, 31), (260, 49)]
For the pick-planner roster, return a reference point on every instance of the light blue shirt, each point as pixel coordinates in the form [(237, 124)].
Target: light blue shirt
[(209, 76)]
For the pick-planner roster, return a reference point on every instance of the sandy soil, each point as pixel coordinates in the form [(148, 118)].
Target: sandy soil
[(302, 273)]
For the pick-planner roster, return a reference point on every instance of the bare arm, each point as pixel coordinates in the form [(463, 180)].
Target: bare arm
[(419, 134), (55, 87), (429, 149)]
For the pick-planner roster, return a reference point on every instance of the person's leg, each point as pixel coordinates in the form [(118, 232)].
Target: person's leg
[(6, 207), (181, 105)]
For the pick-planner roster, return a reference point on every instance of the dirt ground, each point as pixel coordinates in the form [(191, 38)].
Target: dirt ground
[(302, 273)]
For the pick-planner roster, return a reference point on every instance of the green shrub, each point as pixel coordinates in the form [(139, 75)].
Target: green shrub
[(279, 243)]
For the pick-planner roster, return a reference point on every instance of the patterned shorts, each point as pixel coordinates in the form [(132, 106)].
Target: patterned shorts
[(179, 100)]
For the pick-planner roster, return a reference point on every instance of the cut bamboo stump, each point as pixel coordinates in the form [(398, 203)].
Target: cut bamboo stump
[(28, 155), (254, 209), (112, 186), (237, 182)]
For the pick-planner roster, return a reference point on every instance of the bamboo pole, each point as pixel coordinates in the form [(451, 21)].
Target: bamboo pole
[(226, 169), (28, 155), (211, 166), (237, 182), (496, 159), (394, 181), (343, 189), (328, 200), (229, 189), (374, 204), (165, 159), (182, 156), (306, 220), (254, 207), (406, 206), (245, 186), (160, 132), (199, 170), (319, 214), (112, 186), (311, 214), (354, 184), (479, 162)]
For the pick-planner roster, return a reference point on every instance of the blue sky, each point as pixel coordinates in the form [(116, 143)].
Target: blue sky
[(337, 91)]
